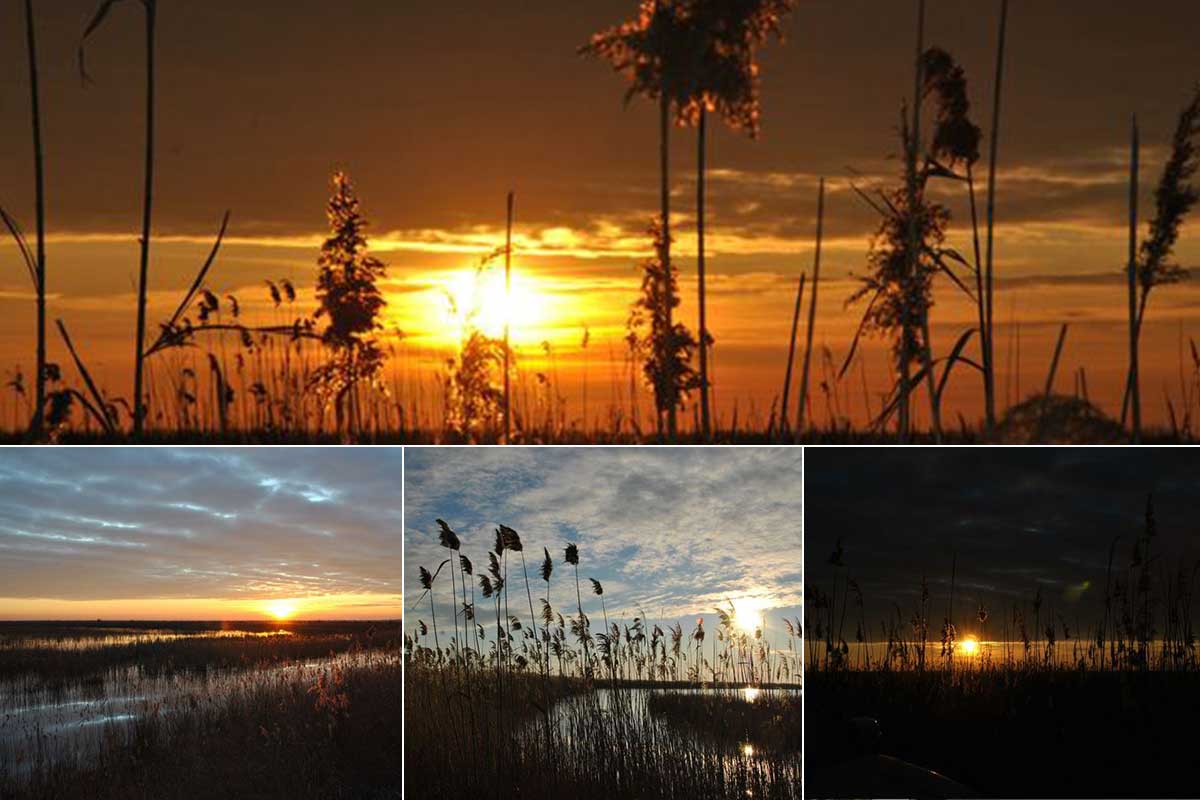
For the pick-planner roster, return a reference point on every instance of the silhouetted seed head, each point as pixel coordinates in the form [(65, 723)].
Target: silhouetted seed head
[(494, 566), (448, 537), (596, 587), (547, 565), (426, 578), (499, 544), (835, 558), (465, 563), (485, 585), (512, 541), (854, 588), (955, 137), (572, 554), (1173, 199)]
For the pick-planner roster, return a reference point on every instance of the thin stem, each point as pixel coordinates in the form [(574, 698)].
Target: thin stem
[(140, 409)]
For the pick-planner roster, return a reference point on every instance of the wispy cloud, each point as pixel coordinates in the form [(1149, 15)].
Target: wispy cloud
[(215, 523), (670, 532)]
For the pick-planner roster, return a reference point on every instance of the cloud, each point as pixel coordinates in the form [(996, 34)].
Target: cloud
[(671, 532), (221, 523), (1005, 521)]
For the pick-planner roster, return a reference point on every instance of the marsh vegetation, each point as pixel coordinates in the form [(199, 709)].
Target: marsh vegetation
[(333, 368), (1021, 699), (529, 695), (290, 709)]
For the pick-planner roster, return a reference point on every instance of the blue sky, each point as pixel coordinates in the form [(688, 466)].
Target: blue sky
[(674, 531), (199, 532)]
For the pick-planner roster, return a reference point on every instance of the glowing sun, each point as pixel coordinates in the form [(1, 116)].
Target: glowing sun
[(747, 613), (969, 646), (479, 299), (281, 609)]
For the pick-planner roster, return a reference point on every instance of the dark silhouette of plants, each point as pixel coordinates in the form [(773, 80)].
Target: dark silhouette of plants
[(665, 346), (43, 369), (571, 556), (448, 539), (692, 57), (150, 7), (351, 301), (909, 250), (658, 53), (1173, 199), (726, 81)]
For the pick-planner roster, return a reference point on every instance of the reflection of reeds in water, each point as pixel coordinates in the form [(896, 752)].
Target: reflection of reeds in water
[(556, 707)]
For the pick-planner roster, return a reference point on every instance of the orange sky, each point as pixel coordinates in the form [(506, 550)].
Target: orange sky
[(436, 116)]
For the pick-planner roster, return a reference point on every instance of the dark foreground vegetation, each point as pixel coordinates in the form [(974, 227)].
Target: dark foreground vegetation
[(333, 367), (1032, 705), (503, 702), (316, 713), (1035, 732), (562, 737)]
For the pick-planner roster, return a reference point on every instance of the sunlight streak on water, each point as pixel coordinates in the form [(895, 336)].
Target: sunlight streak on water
[(80, 643)]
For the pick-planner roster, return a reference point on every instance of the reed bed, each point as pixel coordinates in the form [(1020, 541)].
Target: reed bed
[(1034, 702), (511, 694), (333, 371), (265, 716)]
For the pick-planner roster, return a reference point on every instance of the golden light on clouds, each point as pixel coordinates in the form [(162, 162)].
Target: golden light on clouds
[(316, 607)]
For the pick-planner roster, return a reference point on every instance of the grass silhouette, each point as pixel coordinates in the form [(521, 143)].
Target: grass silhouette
[(211, 373), (630, 711), (1033, 687), (168, 709)]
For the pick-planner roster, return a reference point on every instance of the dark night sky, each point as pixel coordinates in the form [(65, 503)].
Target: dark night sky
[(1017, 518)]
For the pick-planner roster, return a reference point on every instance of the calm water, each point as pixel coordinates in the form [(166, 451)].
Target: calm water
[(628, 710), (119, 637)]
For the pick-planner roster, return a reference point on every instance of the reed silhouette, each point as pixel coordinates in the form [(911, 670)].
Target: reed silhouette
[(1011, 680), (211, 372), (127, 709), (554, 708)]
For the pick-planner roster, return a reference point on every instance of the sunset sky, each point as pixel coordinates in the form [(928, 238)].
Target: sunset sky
[(437, 110), (200, 533), (670, 533), (1019, 520)]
